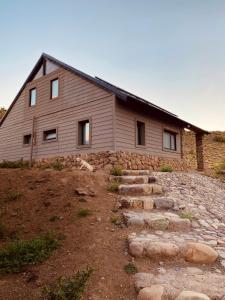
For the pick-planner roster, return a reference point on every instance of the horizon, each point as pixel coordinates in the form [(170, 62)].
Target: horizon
[(171, 54)]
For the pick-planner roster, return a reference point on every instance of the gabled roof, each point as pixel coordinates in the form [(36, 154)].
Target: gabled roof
[(121, 94)]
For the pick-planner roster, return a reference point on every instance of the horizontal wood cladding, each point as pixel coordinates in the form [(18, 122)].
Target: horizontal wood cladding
[(77, 99), (126, 133)]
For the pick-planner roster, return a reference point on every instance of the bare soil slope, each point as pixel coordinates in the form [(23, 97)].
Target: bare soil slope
[(49, 203)]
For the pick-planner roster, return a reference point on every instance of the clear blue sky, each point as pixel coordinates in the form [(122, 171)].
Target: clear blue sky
[(171, 52)]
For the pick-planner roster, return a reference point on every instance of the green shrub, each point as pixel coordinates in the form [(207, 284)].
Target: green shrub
[(113, 187), (57, 165), (130, 268), (70, 288), (166, 169), (12, 195), (220, 168), (186, 215), (19, 254), (83, 212), (115, 220), (219, 139), (116, 171), (20, 164)]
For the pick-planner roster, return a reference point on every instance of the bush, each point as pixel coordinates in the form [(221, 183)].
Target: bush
[(220, 168), (115, 220), (12, 195), (219, 139), (166, 169), (116, 171), (57, 165), (17, 255), (20, 164), (186, 215), (70, 288), (83, 212), (113, 187), (130, 268)]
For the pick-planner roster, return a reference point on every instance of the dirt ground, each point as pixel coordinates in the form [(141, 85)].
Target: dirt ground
[(90, 241)]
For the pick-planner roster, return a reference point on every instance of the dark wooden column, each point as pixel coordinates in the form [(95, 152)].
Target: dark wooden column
[(199, 151)]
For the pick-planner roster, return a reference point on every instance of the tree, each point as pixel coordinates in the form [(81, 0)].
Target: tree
[(2, 112)]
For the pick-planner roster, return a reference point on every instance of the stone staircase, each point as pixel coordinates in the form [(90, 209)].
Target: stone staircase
[(164, 236)]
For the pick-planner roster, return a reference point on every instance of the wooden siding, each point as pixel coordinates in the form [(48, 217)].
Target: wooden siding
[(78, 99), (126, 133)]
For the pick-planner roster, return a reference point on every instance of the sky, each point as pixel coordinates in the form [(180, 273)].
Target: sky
[(170, 52)]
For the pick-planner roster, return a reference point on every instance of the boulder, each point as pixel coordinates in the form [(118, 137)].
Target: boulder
[(157, 222), (163, 203), (189, 295), (200, 253), (154, 292), (162, 249), (179, 224), (136, 249)]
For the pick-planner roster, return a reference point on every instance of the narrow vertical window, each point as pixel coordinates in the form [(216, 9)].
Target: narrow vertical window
[(169, 140), (27, 139), (140, 133), (84, 132), (54, 88), (33, 97)]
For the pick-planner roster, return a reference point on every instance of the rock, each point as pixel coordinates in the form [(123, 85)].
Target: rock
[(157, 189), (151, 179), (179, 224), (132, 179), (157, 222), (189, 295), (136, 249), (162, 249), (200, 253), (81, 192), (142, 280), (163, 203), (154, 292), (140, 189)]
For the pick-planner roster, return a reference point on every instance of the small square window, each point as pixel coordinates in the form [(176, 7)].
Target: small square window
[(50, 135), (140, 133), (27, 139), (54, 88), (169, 140), (33, 97), (84, 132)]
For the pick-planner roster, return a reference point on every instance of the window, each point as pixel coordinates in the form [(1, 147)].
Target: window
[(50, 135), (33, 97), (169, 140), (27, 139), (140, 132), (84, 132), (54, 88)]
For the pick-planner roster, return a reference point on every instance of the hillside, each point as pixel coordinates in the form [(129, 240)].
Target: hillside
[(214, 151)]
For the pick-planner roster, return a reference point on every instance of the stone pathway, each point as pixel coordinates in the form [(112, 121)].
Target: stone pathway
[(183, 217)]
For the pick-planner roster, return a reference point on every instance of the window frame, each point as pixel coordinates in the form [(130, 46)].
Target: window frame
[(172, 133), (24, 135), (51, 81), (30, 93), (90, 133), (52, 140), (136, 133)]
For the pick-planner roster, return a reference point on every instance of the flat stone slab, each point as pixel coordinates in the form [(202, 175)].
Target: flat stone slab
[(131, 179), (157, 221), (136, 172), (170, 245), (177, 280), (140, 189), (144, 202)]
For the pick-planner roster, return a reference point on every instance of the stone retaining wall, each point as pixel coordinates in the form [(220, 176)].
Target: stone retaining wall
[(126, 160)]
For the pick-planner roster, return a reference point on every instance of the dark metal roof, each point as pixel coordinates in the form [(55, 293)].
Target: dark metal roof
[(121, 94)]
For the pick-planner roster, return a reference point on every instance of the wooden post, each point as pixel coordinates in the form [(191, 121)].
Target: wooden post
[(199, 151), (32, 142)]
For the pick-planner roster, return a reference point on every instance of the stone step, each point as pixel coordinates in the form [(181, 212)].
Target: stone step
[(171, 245), (181, 284), (145, 202), (157, 221), (130, 179), (140, 189), (136, 172)]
